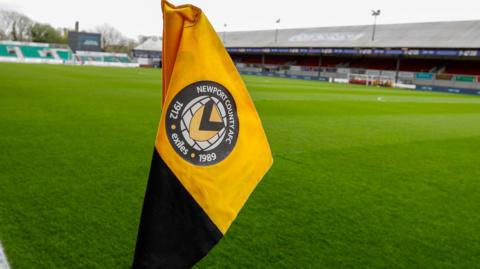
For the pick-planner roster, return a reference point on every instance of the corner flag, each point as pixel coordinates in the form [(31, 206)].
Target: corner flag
[(210, 151)]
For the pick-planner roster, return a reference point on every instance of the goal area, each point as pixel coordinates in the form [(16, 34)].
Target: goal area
[(371, 80)]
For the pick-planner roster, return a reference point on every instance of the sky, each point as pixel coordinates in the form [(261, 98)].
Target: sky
[(144, 17)]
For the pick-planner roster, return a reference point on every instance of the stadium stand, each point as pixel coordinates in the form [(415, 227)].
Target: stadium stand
[(29, 52), (427, 56), (34, 52)]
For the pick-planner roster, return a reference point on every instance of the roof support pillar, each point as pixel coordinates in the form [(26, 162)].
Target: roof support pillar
[(319, 65), (263, 61), (397, 69)]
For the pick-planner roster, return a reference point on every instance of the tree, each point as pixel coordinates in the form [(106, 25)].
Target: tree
[(45, 33), (125, 48), (15, 25), (111, 37), (14, 32), (3, 36)]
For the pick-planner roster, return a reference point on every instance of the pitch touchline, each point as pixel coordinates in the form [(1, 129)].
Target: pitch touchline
[(3, 259)]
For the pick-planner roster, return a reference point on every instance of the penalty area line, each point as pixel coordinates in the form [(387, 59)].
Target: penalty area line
[(3, 259)]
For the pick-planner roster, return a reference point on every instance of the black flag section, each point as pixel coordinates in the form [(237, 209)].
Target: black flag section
[(174, 230)]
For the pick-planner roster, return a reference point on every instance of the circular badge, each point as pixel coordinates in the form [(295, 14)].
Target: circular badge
[(202, 123)]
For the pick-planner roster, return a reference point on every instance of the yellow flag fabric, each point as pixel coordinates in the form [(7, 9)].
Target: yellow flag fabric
[(205, 103)]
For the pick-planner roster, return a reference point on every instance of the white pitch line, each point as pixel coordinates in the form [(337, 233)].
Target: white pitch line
[(380, 99), (3, 259)]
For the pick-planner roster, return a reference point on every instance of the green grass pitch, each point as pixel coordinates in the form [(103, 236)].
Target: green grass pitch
[(363, 177)]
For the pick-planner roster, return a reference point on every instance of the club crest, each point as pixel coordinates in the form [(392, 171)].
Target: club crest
[(202, 123)]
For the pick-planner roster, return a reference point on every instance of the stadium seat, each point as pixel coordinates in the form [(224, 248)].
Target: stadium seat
[(36, 52), (110, 59), (420, 65), (124, 59), (374, 63), (463, 67), (64, 54), (104, 58), (5, 51)]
